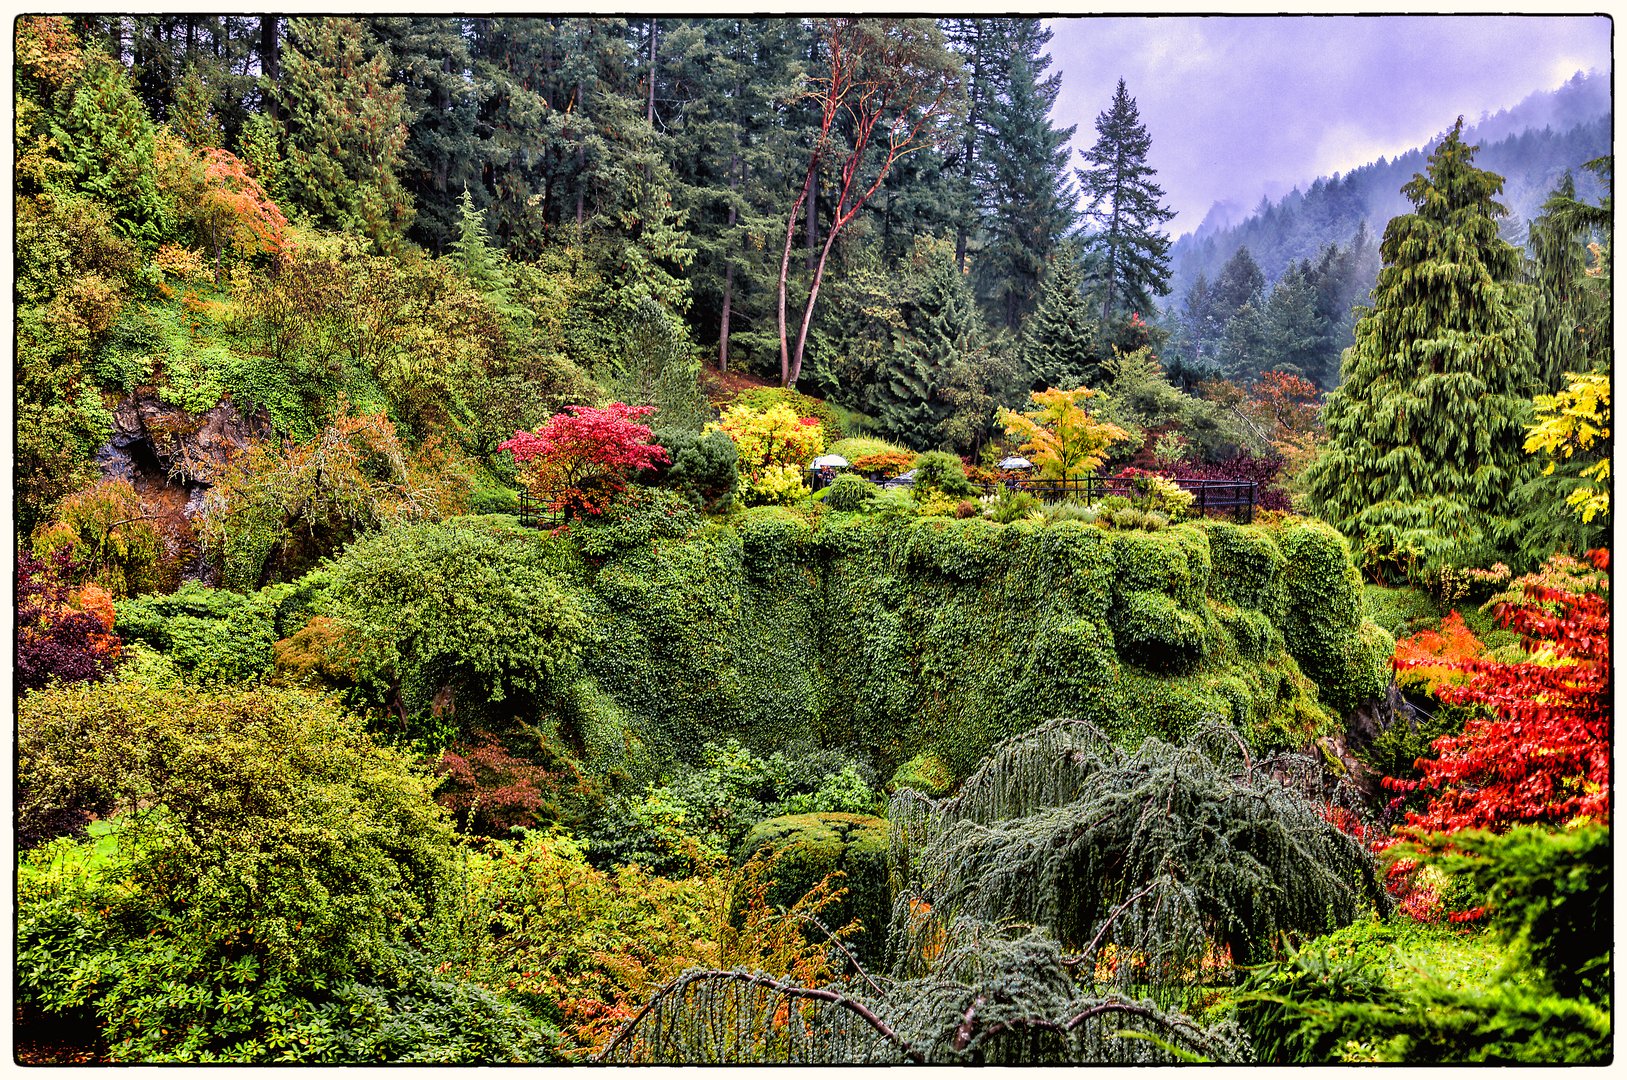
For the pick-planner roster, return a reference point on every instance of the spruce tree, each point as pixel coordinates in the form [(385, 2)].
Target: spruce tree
[(1130, 255), (1425, 432), (936, 391), (1060, 340)]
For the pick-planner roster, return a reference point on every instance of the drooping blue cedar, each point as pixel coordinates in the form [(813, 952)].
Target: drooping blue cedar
[(1424, 435)]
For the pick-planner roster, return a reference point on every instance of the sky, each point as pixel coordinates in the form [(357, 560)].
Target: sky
[(1239, 107)]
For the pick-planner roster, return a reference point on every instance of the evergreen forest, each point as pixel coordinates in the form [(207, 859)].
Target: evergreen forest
[(726, 540)]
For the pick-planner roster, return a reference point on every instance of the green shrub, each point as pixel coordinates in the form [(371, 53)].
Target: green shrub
[(461, 608), (807, 847), (926, 772), (1013, 505), (937, 471), (849, 492), (704, 468), (210, 635), (277, 887), (1323, 623), (1248, 568)]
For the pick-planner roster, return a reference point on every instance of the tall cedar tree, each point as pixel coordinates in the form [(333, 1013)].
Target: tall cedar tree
[(443, 154), (346, 125), (1424, 436), (722, 88), (1030, 200), (1059, 343), (1125, 206)]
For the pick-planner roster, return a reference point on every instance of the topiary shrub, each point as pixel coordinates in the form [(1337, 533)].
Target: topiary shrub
[(849, 492), (807, 847), (1323, 620)]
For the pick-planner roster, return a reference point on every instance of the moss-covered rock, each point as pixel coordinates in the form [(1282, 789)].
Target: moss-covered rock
[(808, 847), (926, 772)]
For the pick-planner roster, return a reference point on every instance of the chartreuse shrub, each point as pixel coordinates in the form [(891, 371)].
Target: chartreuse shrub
[(274, 886), (1533, 987)]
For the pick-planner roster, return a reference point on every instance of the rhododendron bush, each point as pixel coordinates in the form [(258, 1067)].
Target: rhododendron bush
[(580, 459)]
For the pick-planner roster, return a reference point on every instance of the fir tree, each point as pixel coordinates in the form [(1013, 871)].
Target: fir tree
[(1030, 203), (1131, 257), (1425, 432), (1060, 340)]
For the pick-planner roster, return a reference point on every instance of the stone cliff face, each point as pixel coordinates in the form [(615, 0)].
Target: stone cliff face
[(170, 457)]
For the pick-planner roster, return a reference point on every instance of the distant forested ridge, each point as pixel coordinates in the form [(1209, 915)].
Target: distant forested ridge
[(1324, 239)]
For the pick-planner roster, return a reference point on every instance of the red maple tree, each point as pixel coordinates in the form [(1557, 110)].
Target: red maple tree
[(581, 458), (1541, 752)]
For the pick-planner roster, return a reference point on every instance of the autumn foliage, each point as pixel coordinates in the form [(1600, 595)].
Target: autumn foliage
[(62, 633), (580, 459), (1541, 752)]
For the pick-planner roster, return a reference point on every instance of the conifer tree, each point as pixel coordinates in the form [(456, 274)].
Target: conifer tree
[(346, 129), (1425, 432), (1030, 203), (936, 390), (1130, 255), (107, 142), (1060, 340)]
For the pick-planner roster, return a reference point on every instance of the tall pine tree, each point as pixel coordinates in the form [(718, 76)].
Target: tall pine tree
[(1130, 255), (1425, 433)]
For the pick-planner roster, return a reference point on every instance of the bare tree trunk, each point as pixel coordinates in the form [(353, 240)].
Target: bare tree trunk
[(649, 115), (813, 220), (807, 311), (785, 269)]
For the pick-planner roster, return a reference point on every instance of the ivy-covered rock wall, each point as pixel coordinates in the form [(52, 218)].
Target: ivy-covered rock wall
[(895, 637)]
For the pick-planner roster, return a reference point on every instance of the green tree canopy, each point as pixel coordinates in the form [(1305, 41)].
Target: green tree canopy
[(1424, 449)]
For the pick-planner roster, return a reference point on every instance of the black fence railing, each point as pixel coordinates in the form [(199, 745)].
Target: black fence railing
[(537, 514), (1209, 496)]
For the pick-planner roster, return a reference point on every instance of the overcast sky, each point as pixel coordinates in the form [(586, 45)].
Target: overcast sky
[(1239, 107)]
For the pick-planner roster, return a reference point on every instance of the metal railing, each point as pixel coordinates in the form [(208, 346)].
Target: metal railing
[(537, 514), (1236, 496)]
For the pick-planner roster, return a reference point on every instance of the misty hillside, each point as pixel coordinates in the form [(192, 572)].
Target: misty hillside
[(1531, 145)]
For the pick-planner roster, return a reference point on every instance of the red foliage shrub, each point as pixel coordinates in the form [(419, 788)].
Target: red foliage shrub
[(580, 459), (1243, 467), (1542, 755), (61, 633), (488, 789)]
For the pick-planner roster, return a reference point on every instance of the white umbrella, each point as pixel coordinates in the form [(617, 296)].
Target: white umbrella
[(1016, 463), (829, 461)]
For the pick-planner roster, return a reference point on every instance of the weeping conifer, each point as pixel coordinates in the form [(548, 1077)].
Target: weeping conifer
[(1063, 907), (1424, 434)]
